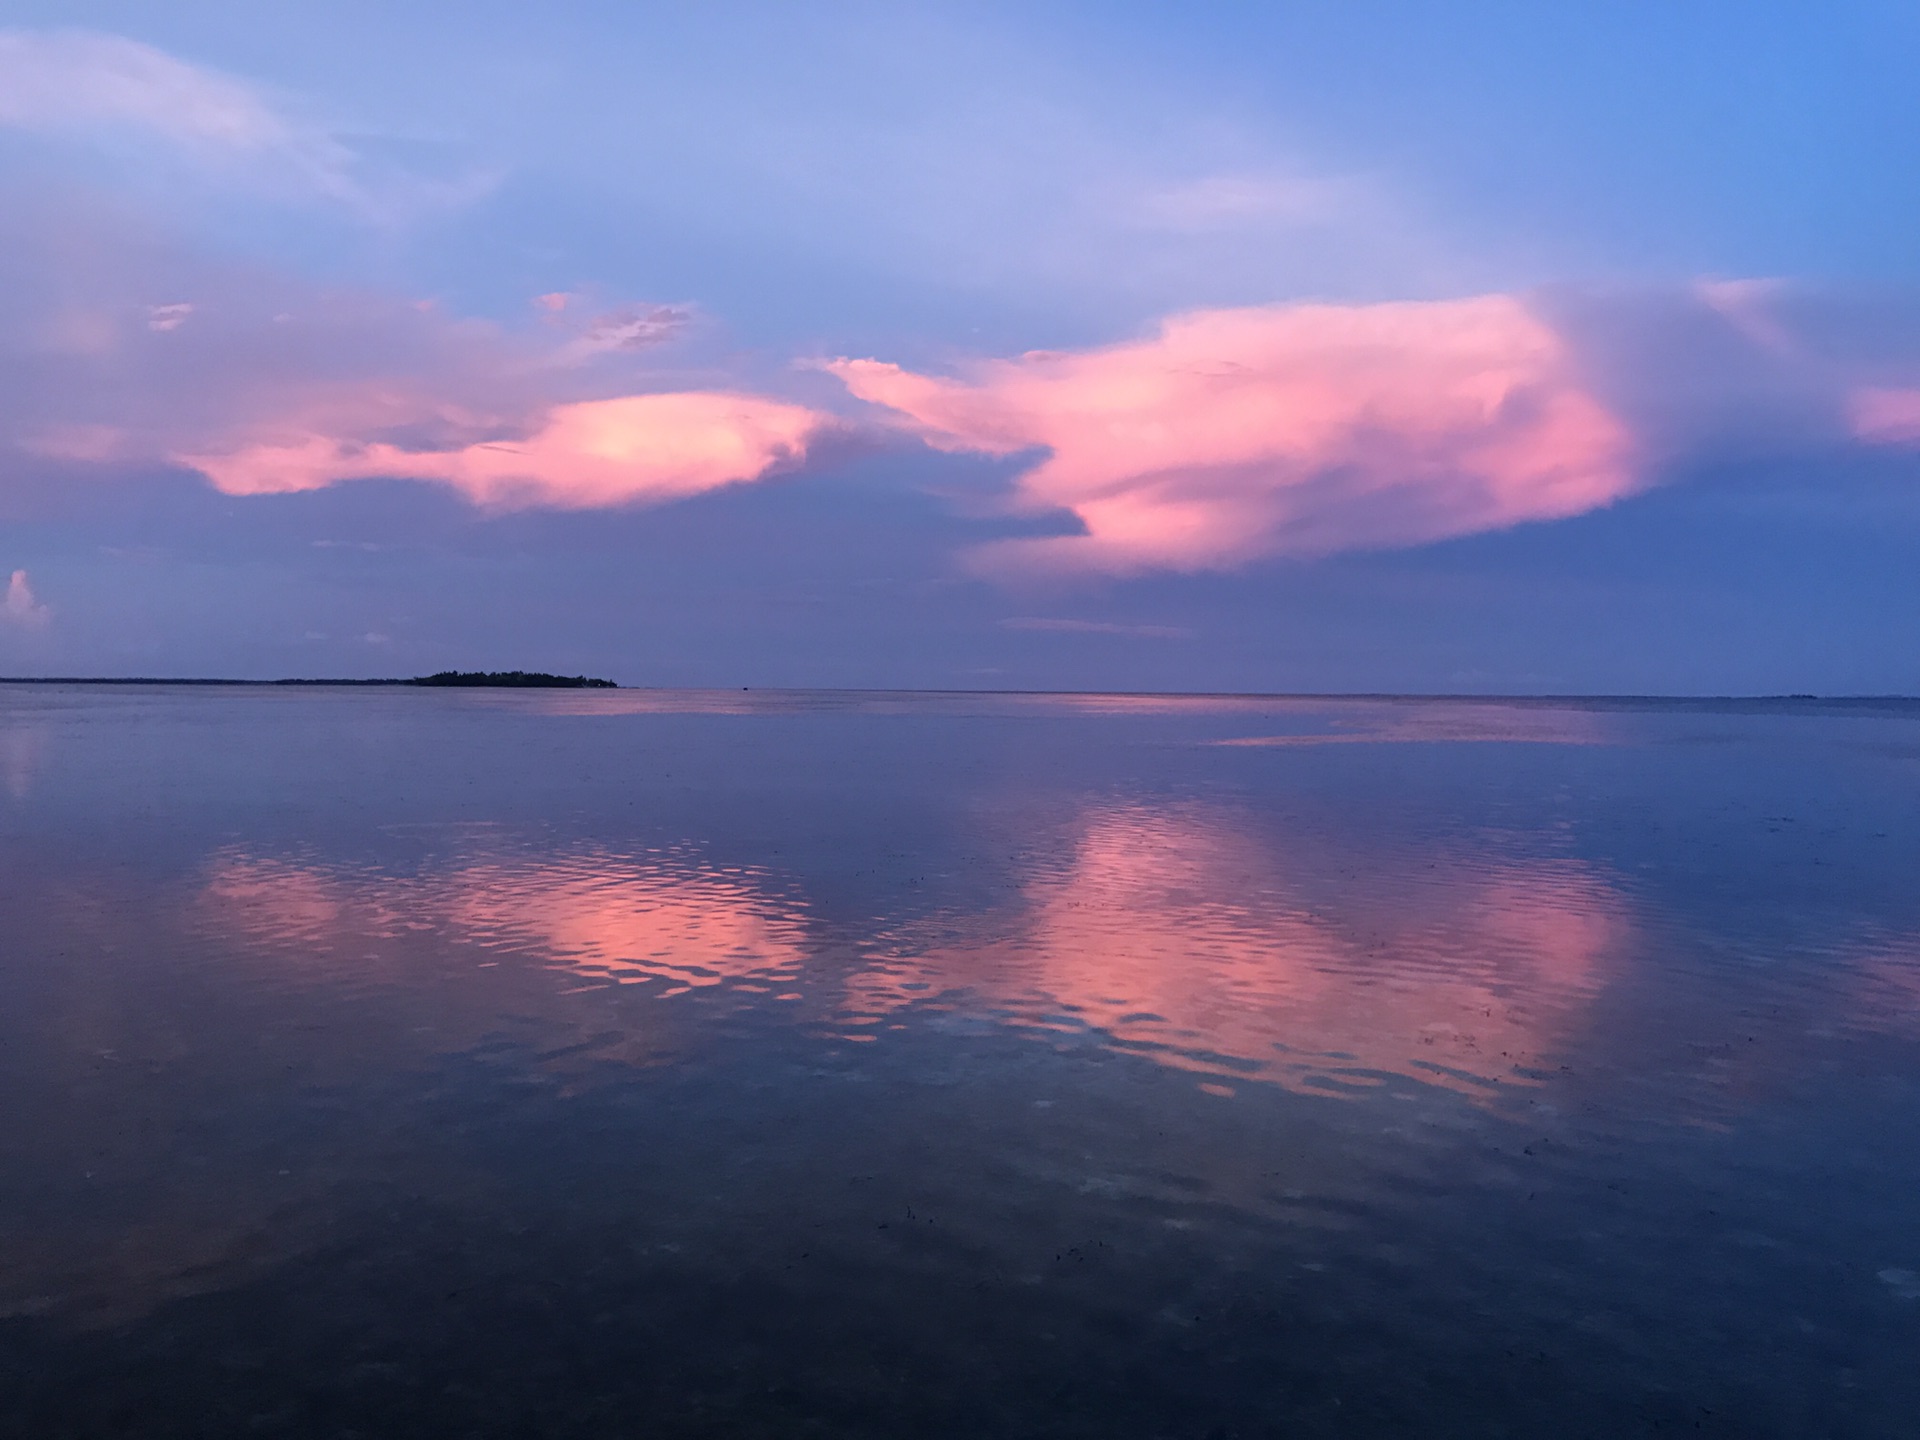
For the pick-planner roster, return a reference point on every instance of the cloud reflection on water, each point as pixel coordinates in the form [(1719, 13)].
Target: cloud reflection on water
[(607, 917), (1181, 936), (22, 752), (1453, 724), (1177, 932)]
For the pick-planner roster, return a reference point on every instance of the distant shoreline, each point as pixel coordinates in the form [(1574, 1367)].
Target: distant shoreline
[(443, 680)]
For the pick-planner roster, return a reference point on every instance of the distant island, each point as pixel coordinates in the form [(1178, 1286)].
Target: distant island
[(461, 679), (512, 679)]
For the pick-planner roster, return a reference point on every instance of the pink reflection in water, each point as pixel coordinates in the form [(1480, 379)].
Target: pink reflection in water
[(1177, 934), (1466, 722), (607, 917), (1885, 994)]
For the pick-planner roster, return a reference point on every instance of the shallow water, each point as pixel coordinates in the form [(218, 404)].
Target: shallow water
[(674, 1063)]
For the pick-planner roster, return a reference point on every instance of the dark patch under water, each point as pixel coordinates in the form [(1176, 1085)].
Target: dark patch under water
[(414, 1063)]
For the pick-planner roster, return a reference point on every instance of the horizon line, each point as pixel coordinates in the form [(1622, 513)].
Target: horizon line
[(405, 682)]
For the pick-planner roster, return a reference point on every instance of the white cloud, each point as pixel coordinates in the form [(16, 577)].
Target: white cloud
[(162, 318), (67, 81), (83, 85)]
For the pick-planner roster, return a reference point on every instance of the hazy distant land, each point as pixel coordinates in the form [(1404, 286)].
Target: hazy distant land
[(513, 679), (454, 679)]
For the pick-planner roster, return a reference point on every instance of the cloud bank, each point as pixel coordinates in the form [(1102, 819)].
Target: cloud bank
[(1235, 435), (1223, 438)]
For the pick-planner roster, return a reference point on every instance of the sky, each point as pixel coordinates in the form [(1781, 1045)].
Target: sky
[(1458, 348)]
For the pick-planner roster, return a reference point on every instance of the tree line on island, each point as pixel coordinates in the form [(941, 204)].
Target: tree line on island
[(440, 679)]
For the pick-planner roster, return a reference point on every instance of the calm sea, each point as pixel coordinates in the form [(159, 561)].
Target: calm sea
[(413, 1063)]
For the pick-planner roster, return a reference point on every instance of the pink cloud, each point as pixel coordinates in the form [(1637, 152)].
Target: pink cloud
[(1234, 435), (20, 606), (123, 354), (1887, 417), (632, 449)]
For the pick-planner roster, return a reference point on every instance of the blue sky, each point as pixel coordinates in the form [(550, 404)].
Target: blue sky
[(1381, 347)]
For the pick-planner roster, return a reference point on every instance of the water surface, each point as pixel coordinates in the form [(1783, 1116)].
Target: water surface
[(688, 1063)]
